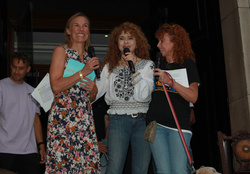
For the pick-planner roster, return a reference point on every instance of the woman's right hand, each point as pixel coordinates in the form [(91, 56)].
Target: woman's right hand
[(188, 93), (91, 65), (162, 76)]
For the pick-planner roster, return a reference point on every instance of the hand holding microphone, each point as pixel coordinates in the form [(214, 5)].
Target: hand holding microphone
[(130, 63), (91, 52)]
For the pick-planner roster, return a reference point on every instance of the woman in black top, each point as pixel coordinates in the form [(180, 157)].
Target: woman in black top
[(181, 82)]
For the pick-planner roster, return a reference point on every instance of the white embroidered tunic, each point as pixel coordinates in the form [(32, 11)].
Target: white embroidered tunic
[(124, 94)]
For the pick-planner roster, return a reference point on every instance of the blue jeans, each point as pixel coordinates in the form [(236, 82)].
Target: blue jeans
[(168, 151), (125, 130), (189, 166)]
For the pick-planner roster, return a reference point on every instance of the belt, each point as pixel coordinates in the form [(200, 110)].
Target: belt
[(143, 115)]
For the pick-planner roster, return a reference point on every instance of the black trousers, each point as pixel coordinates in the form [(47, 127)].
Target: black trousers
[(21, 163)]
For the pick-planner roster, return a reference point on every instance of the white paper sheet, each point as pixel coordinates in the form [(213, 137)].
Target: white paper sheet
[(43, 93), (180, 76)]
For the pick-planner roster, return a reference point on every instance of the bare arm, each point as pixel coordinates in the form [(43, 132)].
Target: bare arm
[(103, 148), (192, 116), (60, 83), (93, 93), (39, 137), (190, 94), (106, 120)]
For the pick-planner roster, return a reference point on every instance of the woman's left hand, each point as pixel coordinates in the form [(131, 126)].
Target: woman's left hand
[(88, 84)]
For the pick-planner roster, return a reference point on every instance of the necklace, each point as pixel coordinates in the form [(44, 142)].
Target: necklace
[(123, 63), (81, 59), (135, 59)]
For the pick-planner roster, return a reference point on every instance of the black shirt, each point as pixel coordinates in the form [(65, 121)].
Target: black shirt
[(159, 108)]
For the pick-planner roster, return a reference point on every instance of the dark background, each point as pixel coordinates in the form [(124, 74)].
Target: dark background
[(201, 18)]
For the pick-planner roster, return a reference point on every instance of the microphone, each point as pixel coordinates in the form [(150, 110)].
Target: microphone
[(158, 62), (158, 59), (130, 63), (91, 52)]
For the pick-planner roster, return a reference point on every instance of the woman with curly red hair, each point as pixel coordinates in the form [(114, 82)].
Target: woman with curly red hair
[(128, 95), (167, 148)]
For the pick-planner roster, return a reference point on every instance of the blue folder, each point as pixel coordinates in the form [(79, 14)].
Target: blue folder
[(73, 67)]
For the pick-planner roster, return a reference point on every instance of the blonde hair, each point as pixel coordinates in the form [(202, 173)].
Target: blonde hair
[(67, 36)]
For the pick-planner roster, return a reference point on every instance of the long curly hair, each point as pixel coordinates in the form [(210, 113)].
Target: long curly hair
[(182, 48), (67, 37), (113, 55)]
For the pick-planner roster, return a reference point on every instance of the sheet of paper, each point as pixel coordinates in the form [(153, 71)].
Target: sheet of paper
[(180, 76), (43, 93), (74, 66)]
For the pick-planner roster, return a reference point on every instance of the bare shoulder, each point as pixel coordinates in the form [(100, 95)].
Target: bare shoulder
[(58, 53), (57, 59), (59, 49)]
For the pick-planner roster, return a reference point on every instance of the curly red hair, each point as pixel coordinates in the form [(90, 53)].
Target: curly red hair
[(113, 55), (182, 48)]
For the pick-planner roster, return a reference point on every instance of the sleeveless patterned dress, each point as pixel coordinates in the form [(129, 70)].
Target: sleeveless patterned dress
[(71, 138)]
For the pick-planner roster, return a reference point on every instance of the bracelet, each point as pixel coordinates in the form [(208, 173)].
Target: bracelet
[(171, 86), (80, 73), (40, 144), (171, 78), (135, 74)]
